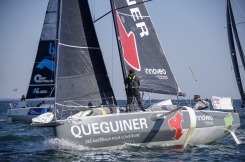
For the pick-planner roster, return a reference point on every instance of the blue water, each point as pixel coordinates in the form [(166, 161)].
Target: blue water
[(19, 142)]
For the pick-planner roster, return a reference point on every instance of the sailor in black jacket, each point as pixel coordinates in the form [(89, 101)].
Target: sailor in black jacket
[(132, 84)]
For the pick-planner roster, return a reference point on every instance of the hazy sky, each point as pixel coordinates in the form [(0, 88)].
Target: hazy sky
[(192, 33)]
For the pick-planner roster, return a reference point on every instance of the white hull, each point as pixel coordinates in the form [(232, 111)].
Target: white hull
[(25, 114)]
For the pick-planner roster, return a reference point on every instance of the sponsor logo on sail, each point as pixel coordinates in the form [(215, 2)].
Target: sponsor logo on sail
[(40, 79), (81, 130), (128, 40), (47, 62), (175, 123), (155, 71), (38, 91), (51, 49), (159, 73)]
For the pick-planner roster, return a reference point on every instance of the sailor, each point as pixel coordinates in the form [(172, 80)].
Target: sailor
[(200, 104), (132, 84), (23, 98), (39, 105)]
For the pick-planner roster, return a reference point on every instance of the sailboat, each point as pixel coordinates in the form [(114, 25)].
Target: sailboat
[(87, 112), (42, 81)]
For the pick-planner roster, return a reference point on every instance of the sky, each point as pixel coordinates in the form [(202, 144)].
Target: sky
[(192, 34)]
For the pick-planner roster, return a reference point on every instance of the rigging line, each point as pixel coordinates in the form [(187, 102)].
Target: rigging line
[(94, 10), (130, 15), (120, 8), (79, 106), (236, 24), (240, 23), (240, 9), (40, 133), (186, 101), (112, 36), (102, 16)]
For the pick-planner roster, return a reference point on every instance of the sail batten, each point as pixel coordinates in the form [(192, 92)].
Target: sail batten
[(41, 85), (72, 46), (76, 76)]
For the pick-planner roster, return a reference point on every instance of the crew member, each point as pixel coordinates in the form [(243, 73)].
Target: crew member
[(200, 104), (23, 98), (132, 84)]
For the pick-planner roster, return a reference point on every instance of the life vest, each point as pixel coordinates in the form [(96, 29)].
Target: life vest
[(131, 82)]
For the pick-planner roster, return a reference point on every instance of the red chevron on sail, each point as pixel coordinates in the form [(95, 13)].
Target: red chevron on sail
[(129, 45)]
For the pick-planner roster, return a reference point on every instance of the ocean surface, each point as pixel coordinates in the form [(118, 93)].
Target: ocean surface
[(20, 142)]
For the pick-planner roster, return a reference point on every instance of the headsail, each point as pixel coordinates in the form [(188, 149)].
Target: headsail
[(140, 48), (81, 73), (231, 29), (42, 81)]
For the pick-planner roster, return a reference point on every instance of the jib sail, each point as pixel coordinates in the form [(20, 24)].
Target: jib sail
[(140, 48), (42, 81), (81, 73)]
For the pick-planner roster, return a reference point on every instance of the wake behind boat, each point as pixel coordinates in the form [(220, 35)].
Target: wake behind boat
[(87, 112)]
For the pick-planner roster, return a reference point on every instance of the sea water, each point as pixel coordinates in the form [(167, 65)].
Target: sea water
[(20, 142)]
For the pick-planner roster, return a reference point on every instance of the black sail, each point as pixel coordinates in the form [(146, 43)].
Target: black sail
[(233, 23), (42, 81), (81, 73), (140, 48), (231, 28)]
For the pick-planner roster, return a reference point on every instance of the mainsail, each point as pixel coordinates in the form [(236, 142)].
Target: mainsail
[(42, 81), (231, 29), (140, 48), (80, 73)]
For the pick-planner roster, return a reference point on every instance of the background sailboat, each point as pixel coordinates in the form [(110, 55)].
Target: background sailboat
[(42, 81)]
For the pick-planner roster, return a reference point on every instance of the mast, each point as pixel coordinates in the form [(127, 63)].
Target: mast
[(113, 9), (57, 44), (231, 28)]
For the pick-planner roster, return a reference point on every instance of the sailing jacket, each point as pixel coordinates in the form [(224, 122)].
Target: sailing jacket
[(132, 81), (200, 104)]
